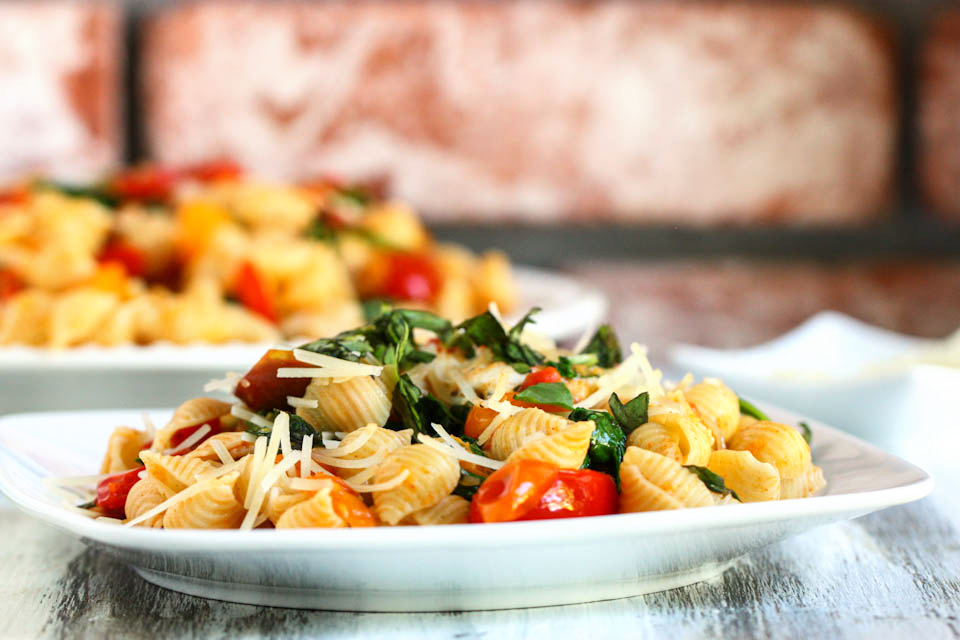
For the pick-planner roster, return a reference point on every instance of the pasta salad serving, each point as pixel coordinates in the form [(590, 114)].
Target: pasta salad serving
[(412, 420), (207, 254)]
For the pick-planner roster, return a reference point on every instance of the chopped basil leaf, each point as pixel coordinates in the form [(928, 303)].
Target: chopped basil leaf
[(552, 393), (806, 432), (630, 415), (605, 346), (485, 330), (299, 429), (607, 443), (712, 481), (418, 410), (748, 409)]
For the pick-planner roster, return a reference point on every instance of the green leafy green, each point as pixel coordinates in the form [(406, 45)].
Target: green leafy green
[(605, 345), (552, 393), (485, 330), (806, 432), (468, 485), (748, 409), (607, 443), (98, 192), (630, 415), (299, 429), (566, 365), (712, 481), (88, 505), (418, 410), (373, 309)]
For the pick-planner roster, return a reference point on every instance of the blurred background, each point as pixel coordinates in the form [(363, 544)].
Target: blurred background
[(721, 170)]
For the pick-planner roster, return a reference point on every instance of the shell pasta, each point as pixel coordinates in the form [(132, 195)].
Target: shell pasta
[(411, 420)]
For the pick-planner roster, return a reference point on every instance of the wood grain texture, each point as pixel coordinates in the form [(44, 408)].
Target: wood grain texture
[(892, 574)]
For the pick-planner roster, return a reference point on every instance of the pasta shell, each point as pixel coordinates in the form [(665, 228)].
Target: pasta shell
[(804, 485), (177, 472), (348, 405), (681, 436), (513, 432), (752, 480), (380, 441), (658, 438), (316, 512), (216, 507), (233, 441), (566, 449), (650, 481), (450, 510), (717, 406), (77, 315), (279, 501), (25, 318), (776, 443), (123, 449), (433, 475), (189, 414), (145, 495)]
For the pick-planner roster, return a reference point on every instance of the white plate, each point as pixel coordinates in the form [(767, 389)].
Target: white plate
[(460, 567), (568, 309), (840, 370)]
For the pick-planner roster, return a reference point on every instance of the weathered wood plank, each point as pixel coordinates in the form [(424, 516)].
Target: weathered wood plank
[(896, 573)]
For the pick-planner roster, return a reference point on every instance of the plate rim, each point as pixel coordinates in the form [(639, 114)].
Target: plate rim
[(514, 533)]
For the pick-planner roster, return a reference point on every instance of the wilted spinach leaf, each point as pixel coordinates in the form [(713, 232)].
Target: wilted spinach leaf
[(547, 393), (607, 443), (630, 415), (712, 481), (605, 345)]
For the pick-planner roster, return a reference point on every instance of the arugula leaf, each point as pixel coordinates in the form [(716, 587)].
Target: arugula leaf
[(606, 346), (607, 443), (712, 481), (806, 432), (552, 393), (485, 330), (299, 429), (748, 409), (630, 415), (417, 409)]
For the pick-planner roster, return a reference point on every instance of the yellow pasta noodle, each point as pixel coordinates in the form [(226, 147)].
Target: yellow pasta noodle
[(348, 405), (433, 475), (450, 510), (652, 482), (717, 406), (752, 480), (146, 494), (380, 440), (177, 472), (216, 507), (189, 414), (123, 449), (514, 431), (566, 449), (804, 485), (313, 513), (776, 443)]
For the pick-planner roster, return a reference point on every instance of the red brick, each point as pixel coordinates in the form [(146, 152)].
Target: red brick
[(539, 111), (60, 108), (739, 303), (939, 116)]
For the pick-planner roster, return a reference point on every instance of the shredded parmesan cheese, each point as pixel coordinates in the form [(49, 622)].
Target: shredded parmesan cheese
[(339, 451), (392, 483), (361, 463), (188, 443), (459, 452), (221, 450), (227, 384), (326, 367), (305, 460), (245, 414), (305, 403)]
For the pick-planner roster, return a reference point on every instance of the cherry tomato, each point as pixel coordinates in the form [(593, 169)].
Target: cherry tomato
[(144, 184), (534, 490), (112, 491), (478, 420), (349, 506), (10, 284), (512, 490), (261, 389), (253, 293), (545, 375), (410, 277), (576, 493), (15, 195), (215, 170), (124, 254), (180, 435)]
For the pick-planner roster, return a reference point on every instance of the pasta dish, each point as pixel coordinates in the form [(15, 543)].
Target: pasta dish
[(208, 255), (412, 420)]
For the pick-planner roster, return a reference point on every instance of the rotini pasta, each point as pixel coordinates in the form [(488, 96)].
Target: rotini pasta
[(410, 420)]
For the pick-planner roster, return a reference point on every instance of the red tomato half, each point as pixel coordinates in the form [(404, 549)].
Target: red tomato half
[(252, 291), (180, 435), (261, 389), (144, 184), (534, 490), (410, 277), (10, 284), (215, 170), (545, 375), (124, 254), (112, 491)]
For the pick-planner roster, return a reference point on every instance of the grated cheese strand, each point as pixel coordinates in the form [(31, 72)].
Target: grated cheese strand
[(305, 460), (304, 403), (281, 431), (361, 463), (309, 484), (188, 444), (259, 453), (245, 414), (460, 453), (392, 483), (221, 450), (361, 440)]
